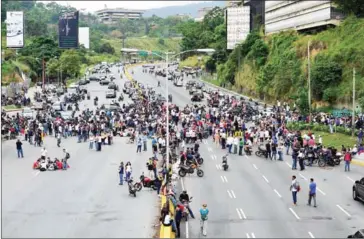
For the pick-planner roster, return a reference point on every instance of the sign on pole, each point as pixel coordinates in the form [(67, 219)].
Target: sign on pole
[(68, 30), (14, 29), (238, 25), (84, 36)]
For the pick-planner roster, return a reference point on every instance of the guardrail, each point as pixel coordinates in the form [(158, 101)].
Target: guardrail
[(166, 231)]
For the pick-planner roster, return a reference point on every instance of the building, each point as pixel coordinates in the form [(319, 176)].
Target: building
[(300, 15), (113, 15), (257, 13), (183, 16), (202, 12)]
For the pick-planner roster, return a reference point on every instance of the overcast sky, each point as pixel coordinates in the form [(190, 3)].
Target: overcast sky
[(92, 6)]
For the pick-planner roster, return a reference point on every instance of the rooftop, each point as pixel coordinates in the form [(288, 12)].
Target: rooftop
[(116, 10)]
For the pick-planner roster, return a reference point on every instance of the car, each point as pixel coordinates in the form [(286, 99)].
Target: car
[(196, 97), (192, 90), (73, 86), (27, 113), (200, 85), (111, 107), (57, 106), (105, 82), (110, 94), (82, 82), (358, 234), (358, 190), (94, 78), (112, 86), (67, 115), (112, 77)]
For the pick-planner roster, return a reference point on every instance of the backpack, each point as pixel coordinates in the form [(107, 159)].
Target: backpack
[(298, 187)]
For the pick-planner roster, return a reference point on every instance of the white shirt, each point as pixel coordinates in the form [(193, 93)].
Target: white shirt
[(294, 189), (128, 168), (44, 152), (236, 141), (229, 140)]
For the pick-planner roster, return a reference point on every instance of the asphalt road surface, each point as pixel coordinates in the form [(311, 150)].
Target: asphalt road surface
[(252, 199), (84, 201)]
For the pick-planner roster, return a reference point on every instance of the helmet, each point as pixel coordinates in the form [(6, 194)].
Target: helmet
[(184, 191)]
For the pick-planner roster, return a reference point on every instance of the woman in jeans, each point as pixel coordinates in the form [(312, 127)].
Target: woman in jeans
[(280, 152)]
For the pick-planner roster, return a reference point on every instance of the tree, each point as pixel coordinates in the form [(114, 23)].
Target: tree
[(355, 7), (70, 61), (324, 73), (116, 34), (106, 48)]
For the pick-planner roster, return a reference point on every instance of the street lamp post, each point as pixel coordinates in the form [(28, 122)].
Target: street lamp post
[(208, 51)]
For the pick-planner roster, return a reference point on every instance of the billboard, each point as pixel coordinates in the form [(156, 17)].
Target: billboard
[(68, 30), (84, 36), (238, 25), (14, 29)]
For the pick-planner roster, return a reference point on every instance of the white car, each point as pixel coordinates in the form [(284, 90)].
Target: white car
[(27, 113), (73, 86)]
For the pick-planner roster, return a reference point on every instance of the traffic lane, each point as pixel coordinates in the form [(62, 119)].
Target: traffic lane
[(259, 211), (86, 199), (211, 191), (278, 176)]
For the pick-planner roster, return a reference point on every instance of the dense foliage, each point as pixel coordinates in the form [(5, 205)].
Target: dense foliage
[(275, 67)]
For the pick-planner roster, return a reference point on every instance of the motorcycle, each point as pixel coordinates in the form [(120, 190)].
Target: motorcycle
[(190, 169), (260, 152), (185, 213), (310, 159), (225, 165), (145, 182), (132, 188), (248, 150), (95, 102)]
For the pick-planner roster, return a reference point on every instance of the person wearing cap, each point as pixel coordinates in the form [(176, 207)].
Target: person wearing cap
[(204, 212)]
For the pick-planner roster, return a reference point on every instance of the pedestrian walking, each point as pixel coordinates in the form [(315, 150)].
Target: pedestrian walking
[(204, 212), (59, 140), (139, 145), (280, 152), (347, 159), (178, 218), (241, 146), (128, 171), (19, 148), (145, 141), (65, 159), (312, 193), (91, 140), (294, 188), (121, 173)]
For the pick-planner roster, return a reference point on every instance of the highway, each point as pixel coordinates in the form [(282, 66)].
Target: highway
[(84, 201), (252, 199)]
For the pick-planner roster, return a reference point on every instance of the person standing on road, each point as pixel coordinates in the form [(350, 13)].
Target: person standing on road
[(294, 188), (241, 146), (204, 212), (312, 193), (43, 153), (139, 145), (280, 152), (121, 173), (19, 148), (65, 159), (128, 171), (178, 218), (347, 159), (59, 140), (91, 142), (145, 140)]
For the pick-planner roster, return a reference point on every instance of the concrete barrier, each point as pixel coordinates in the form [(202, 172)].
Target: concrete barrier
[(166, 231)]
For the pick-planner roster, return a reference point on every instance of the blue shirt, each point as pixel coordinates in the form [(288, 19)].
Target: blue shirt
[(313, 188), (154, 141), (204, 212)]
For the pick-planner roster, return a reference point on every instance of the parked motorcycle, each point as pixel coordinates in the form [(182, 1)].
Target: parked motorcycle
[(184, 169), (261, 152), (248, 150), (132, 188), (145, 182)]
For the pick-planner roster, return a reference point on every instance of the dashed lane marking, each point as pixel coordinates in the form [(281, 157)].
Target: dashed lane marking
[(343, 210), (294, 213), (279, 195)]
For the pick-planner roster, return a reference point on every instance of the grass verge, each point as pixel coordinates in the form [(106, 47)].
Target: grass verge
[(335, 139), (11, 107)]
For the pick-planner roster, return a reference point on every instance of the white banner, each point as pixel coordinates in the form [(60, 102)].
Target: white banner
[(14, 29), (84, 36), (238, 25)]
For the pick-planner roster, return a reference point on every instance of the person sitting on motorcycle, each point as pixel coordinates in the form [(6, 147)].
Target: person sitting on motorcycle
[(184, 197), (248, 145)]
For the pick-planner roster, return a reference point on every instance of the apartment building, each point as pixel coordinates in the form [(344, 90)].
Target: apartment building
[(113, 15)]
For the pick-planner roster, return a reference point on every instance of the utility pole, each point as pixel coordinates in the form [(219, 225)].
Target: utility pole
[(309, 80), (353, 114), (43, 73)]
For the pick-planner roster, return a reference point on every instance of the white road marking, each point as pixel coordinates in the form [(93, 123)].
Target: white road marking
[(36, 173), (229, 194), (265, 179), (182, 185), (321, 191), (343, 210), (225, 179), (352, 180), (232, 192), (237, 210), (277, 193), (246, 156), (311, 235), (253, 235), (242, 213), (187, 229), (303, 177), (294, 213), (215, 157), (255, 166), (212, 157), (289, 165), (247, 235)]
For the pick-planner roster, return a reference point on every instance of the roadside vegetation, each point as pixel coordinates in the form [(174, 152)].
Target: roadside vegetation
[(274, 67), (41, 41)]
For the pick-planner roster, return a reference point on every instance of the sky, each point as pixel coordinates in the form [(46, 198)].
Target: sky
[(91, 6)]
